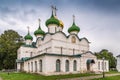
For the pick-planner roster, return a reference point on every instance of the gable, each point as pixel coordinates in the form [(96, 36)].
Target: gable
[(84, 41), (76, 39), (59, 36), (88, 54)]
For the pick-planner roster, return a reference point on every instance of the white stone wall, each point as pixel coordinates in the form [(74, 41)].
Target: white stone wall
[(84, 58), (59, 40), (74, 32), (28, 42), (25, 52), (49, 65), (52, 28), (118, 64), (59, 28), (52, 44), (18, 67), (37, 36), (51, 69), (103, 66), (29, 68)]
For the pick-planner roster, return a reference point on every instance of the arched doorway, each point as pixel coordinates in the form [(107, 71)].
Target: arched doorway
[(89, 64), (58, 65)]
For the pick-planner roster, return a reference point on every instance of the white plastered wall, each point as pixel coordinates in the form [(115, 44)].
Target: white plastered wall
[(118, 64)]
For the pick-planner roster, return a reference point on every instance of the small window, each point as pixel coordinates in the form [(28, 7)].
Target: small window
[(73, 39)]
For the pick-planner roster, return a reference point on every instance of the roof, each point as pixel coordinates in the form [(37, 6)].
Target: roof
[(52, 20), (53, 54), (64, 35), (90, 61), (22, 60), (31, 46), (28, 36), (118, 56), (39, 31), (74, 28)]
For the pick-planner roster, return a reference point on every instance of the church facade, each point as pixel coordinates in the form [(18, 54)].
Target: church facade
[(118, 63), (54, 52)]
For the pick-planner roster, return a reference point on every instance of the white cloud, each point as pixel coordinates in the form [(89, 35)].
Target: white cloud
[(100, 28)]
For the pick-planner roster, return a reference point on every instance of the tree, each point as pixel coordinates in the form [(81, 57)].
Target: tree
[(108, 56), (10, 41)]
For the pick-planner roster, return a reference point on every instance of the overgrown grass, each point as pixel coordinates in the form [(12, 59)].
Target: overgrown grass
[(109, 78), (27, 76)]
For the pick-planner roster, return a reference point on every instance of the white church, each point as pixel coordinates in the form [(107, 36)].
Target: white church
[(55, 53)]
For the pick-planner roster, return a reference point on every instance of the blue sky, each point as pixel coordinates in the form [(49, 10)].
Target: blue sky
[(99, 20)]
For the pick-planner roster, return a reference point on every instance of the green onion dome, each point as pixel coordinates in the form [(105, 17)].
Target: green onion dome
[(52, 20), (39, 32), (74, 28), (28, 37)]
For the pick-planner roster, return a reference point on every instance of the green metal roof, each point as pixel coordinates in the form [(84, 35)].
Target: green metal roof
[(22, 59), (74, 28), (53, 54), (39, 31), (90, 61), (28, 36), (52, 20)]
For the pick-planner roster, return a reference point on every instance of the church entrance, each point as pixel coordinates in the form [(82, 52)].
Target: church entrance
[(21, 66), (89, 64)]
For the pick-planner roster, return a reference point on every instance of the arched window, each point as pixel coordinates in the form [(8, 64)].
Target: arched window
[(35, 66), (105, 66), (66, 65), (74, 65), (31, 66), (55, 29), (28, 67), (73, 39), (58, 65), (40, 65), (102, 66), (99, 65), (31, 54)]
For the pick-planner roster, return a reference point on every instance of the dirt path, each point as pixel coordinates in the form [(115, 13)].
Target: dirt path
[(0, 78), (91, 77)]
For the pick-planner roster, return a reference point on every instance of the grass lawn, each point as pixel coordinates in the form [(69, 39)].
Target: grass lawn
[(109, 78), (112, 72), (27, 76)]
